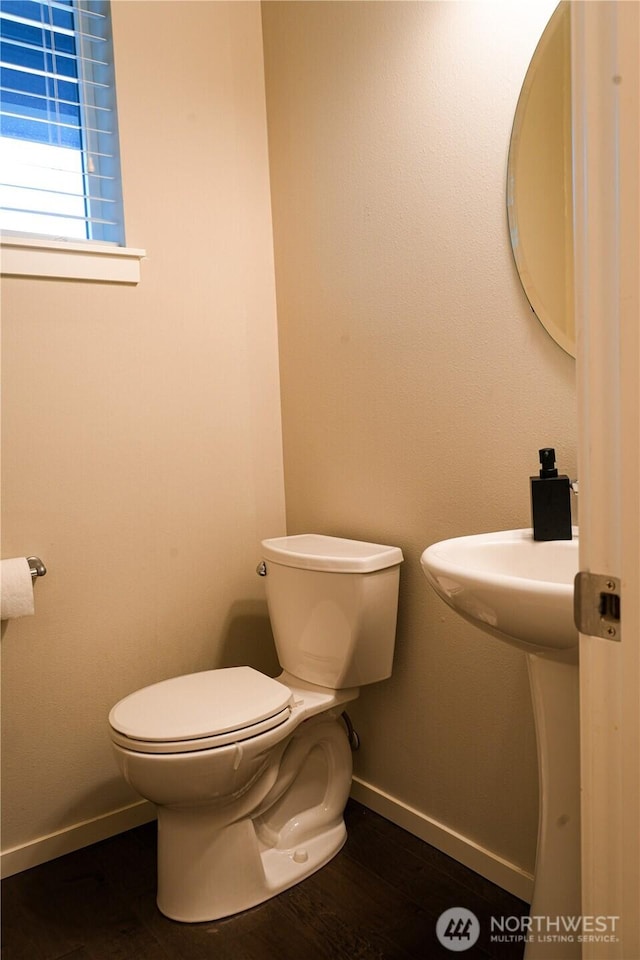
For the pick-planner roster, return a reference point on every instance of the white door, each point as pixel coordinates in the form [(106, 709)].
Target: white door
[(606, 111)]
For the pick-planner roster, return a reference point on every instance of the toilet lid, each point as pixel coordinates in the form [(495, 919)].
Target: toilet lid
[(200, 705)]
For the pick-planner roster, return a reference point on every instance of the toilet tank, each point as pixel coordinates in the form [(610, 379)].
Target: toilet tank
[(333, 606)]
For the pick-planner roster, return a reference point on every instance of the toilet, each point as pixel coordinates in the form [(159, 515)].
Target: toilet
[(251, 774)]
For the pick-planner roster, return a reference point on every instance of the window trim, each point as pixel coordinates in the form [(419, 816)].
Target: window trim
[(70, 260)]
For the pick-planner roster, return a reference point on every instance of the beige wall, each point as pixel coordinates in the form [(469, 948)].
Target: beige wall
[(142, 455), (417, 386)]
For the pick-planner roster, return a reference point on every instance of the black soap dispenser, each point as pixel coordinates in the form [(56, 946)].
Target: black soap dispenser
[(550, 500)]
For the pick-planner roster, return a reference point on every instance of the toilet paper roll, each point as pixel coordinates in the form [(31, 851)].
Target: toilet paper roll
[(16, 589)]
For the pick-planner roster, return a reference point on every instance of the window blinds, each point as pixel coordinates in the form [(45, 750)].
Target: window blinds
[(60, 172)]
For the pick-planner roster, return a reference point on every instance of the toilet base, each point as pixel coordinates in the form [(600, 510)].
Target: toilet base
[(244, 875), (292, 825)]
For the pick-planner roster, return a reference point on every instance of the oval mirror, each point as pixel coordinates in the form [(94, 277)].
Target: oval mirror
[(539, 182)]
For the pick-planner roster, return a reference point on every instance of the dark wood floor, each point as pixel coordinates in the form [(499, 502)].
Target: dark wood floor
[(379, 899)]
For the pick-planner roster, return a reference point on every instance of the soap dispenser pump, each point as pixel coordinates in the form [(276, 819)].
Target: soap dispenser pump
[(550, 500)]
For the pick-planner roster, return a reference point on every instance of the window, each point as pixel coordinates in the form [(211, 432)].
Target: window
[(59, 172)]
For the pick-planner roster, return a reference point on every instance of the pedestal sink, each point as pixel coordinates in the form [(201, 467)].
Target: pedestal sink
[(520, 591)]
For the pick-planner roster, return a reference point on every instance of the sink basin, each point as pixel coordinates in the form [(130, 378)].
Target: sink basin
[(510, 585)]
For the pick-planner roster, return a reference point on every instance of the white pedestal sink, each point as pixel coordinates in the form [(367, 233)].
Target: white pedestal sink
[(521, 591)]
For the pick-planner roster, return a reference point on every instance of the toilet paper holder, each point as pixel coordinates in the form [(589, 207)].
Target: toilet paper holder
[(37, 567)]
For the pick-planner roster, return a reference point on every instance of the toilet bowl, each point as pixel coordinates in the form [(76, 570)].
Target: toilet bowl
[(251, 774)]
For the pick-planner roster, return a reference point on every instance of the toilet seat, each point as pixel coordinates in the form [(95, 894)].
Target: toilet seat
[(200, 711)]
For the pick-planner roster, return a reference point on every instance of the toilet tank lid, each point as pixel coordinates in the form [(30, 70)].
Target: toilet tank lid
[(314, 551)]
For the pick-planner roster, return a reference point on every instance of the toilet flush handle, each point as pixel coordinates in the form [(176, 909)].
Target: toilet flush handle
[(261, 569)]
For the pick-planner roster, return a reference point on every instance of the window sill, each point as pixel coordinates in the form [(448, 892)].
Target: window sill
[(27, 257)]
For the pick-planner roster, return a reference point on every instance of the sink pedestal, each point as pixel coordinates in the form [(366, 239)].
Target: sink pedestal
[(556, 891)]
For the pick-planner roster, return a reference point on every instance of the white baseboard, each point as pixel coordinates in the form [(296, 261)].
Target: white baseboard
[(72, 838), (505, 874), (488, 864)]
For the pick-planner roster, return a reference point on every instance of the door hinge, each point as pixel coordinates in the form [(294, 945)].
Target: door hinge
[(596, 605)]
